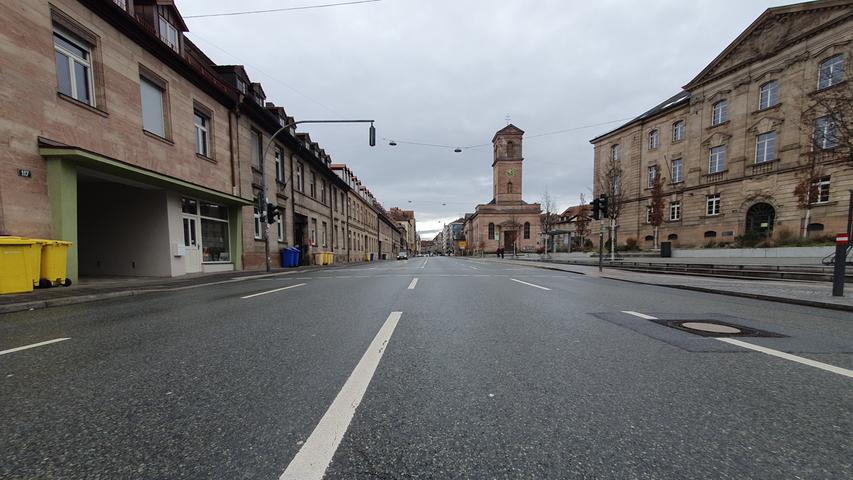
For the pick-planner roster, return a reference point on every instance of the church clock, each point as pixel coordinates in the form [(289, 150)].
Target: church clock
[(510, 172)]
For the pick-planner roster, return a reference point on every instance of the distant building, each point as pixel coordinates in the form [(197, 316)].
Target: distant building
[(507, 221)]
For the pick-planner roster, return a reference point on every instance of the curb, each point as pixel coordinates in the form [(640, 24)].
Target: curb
[(730, 293)]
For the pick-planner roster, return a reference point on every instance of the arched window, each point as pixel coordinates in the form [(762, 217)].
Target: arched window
[(526, 230), (491, 231), (710, 234), (650, 238), (508, 187), (672, 236)]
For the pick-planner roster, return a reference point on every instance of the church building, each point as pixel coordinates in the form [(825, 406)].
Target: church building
[(507, 221)]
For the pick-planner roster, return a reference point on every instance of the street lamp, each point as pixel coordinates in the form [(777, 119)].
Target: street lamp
[(263, 196)]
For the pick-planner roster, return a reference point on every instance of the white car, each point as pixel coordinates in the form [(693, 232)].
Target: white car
[(403, 256)]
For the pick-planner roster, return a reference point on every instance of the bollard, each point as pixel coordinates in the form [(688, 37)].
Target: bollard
[(841, 241)]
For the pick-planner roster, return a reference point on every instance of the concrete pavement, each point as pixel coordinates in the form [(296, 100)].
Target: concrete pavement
[(493, 371)]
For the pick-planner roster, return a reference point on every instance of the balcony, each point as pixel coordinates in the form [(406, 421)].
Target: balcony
[(715, 177), (763, 167)]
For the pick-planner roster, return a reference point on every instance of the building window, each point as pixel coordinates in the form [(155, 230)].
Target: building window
[(492, 231), (508, 187), (717, 159), (674, 211), (710, 234), (300, 179), (825, 132), (153, 107), (713, 204), (526, 230), (279, 164), (202, 133), (648, 218), (73, 68), (831, 72), (314, 232), (768, 95), (672, 236), (214, 232), (313, 186), (677, 175), (279, 225), (720, 112), (256, 138), (325, 234), (765, 147), (614, 153), (169, 34), (650, 176), (678, 131), (258, 226), (654, 139), (821, 189), (323, 192)]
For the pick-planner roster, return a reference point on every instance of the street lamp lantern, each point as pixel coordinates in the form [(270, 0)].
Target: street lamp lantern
[(457, 150), (392, 143)]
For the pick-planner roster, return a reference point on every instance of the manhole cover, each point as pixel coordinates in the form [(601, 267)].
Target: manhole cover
[(715, 328)]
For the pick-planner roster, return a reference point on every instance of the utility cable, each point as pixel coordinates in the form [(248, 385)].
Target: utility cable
[(305, 7)]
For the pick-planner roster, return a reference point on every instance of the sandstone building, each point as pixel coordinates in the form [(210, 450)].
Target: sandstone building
[(734, 144), (507, 221), (123, 137)]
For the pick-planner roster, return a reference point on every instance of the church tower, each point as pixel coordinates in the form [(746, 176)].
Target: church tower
[(506, 167)]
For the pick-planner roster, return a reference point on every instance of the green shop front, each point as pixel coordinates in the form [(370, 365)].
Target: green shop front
[(124, 220)]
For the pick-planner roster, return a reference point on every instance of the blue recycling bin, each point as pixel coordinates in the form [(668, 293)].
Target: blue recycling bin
[(295, 257), (285, 257)]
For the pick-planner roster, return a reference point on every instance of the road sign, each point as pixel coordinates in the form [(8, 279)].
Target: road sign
[(842, 239)]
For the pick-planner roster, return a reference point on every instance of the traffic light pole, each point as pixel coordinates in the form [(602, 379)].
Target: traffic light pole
[(263, 202), (600, 245)]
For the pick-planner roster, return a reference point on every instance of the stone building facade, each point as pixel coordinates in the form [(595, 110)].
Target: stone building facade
[(507, 221), (732, 147)]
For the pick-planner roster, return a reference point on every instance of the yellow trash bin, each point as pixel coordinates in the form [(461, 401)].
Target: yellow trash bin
[(330, 258), (33, 257), (54, 263), (15, 276), (318, 258)]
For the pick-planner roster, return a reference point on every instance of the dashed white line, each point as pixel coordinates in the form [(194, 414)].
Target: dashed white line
[(638, 314), (532, 285), (472, 266), (412, 285), (313, 458), (788, 356), (425, 262), (272, 291), (769, 351), (34, 345)]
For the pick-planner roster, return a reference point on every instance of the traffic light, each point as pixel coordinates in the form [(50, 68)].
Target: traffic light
[(596, 208), (602, 204), (272, 213)]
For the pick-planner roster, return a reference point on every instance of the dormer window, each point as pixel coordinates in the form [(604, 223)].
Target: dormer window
[(241, 86), (169, 34)]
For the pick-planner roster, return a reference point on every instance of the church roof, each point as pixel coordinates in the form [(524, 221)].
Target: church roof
[(508, 130)]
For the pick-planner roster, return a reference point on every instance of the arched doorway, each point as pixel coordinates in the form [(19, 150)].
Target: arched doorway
[(760, 218)]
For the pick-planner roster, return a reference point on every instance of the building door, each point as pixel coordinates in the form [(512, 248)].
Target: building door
[(509, 240), (192, 258), (760, 218)]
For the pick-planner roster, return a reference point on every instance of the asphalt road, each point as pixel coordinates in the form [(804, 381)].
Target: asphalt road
[(426, 368)]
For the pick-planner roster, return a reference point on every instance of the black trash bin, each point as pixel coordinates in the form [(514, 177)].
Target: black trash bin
[(666, 249)]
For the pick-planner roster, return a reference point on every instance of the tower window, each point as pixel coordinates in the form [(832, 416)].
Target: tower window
[(509, 187)]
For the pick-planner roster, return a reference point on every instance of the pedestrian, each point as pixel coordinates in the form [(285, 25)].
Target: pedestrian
[(498, 253)]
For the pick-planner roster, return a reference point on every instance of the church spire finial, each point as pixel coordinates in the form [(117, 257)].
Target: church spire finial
[(508, 119)]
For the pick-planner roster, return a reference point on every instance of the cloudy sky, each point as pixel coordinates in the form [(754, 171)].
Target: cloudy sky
[(449, 72)]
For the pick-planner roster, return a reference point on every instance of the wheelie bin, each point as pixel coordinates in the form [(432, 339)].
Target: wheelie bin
[(54, 263), (15, 276)]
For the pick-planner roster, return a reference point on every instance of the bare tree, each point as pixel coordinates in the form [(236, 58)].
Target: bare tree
[(610, 184), (549, 218), (582, 220), (828, 121), (656, 205)]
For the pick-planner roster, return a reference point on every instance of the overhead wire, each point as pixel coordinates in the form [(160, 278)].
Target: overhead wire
[(273, 10)]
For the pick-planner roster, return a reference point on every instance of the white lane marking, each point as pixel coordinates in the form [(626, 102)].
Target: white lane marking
[(638, 314), (425, 262), (472, 266), (532, 285), (769, 351), (412, 285), (313, 458), (34, 345), (788, 356), (272, 291)]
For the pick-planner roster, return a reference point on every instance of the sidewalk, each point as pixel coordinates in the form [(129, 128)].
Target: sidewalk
[(91, 289), (812, 294)]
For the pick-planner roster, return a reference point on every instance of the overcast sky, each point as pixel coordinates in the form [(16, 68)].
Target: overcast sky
[(450, 71)]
